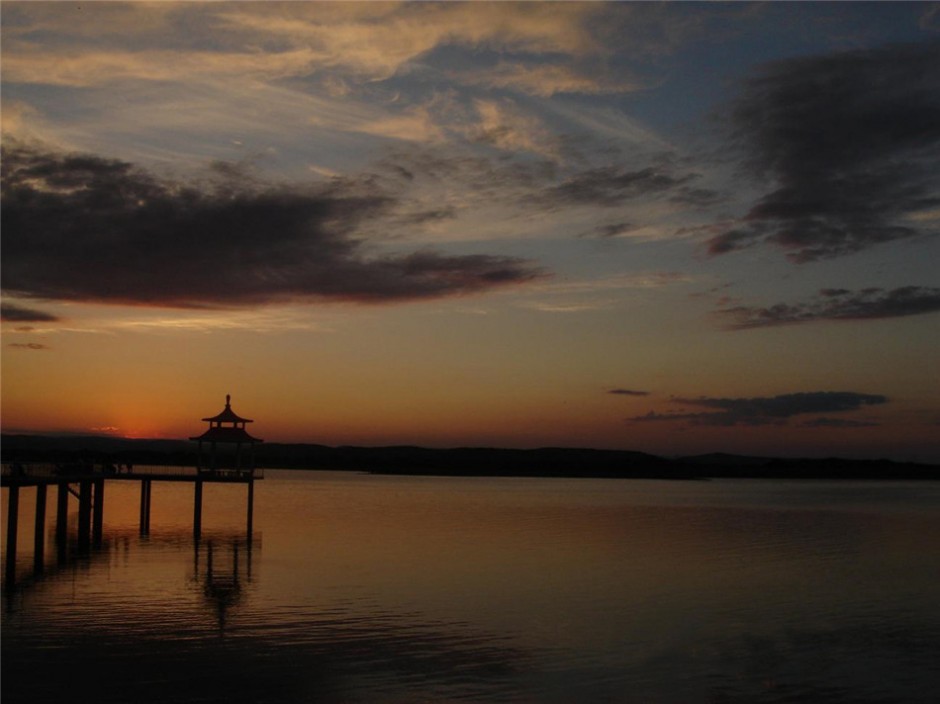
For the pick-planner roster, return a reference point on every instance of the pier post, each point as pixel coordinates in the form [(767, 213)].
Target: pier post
[(144, 506), (13, 508), (62, 512), (251, 503), (98, 517), (197, 510), (84, 512), (39, 537)]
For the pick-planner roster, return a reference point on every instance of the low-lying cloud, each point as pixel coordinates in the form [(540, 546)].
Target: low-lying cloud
[(773, 410), (838, 304), (11, 313), (851, 142), (28, 345), (84, 228), (838, 423)]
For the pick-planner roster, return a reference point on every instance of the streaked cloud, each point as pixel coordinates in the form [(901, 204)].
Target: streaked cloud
[(375, 42), (773, 410), (368, 41), (611, 186), (569, 306), (545, 80), (84, 69), (838, 304), (632, 280), (504, 126)]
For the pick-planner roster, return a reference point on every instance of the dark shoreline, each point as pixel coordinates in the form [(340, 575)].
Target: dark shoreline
[(482, 462)]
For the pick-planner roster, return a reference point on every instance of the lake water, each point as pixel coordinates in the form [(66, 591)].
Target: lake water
[(362, 588)]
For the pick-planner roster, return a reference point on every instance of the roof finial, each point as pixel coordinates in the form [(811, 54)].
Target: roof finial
[(228, 400)]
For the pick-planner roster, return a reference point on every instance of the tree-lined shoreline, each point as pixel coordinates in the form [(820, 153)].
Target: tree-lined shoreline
[(467, 461)]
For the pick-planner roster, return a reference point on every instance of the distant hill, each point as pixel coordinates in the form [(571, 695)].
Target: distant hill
[(466, 461)]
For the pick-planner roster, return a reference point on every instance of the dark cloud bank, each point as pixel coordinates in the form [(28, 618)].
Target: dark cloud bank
[(81, 227), (851, 142), (838, 304), (774, 410)]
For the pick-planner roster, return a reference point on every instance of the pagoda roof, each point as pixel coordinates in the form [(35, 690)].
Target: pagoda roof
[(230, 435), (228, 415)]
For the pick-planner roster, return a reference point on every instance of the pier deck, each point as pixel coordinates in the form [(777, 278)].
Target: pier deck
[(33, 474)]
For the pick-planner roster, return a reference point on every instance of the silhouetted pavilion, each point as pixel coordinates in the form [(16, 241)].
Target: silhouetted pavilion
[(227, 428)]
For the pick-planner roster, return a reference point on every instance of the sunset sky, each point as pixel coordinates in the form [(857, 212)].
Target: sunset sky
[(675, 228)]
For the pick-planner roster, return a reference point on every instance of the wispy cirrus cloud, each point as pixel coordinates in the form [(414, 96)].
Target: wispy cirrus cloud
[(772, 410), (363, 41), (851, 142), (546, 80), (377, 41), (81, 227), (838, 304)]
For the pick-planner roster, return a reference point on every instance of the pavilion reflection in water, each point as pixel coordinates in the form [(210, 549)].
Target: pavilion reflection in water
[(222, 570)]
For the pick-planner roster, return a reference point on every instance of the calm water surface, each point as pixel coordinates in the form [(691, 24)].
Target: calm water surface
[(360, 588)]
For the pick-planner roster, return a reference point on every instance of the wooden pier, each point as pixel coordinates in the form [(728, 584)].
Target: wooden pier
[(86, 484)]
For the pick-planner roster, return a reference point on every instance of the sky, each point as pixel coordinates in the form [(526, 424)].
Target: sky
[(676, 228)]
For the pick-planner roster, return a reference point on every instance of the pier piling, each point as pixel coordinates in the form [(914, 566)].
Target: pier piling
[(197, 510), (145, 489), (84, 512), (98, 514), (62, 512), (13, 509), (39, 537), (251, 506)]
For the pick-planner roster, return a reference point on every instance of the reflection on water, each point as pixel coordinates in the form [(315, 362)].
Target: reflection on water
[(358, 588)]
